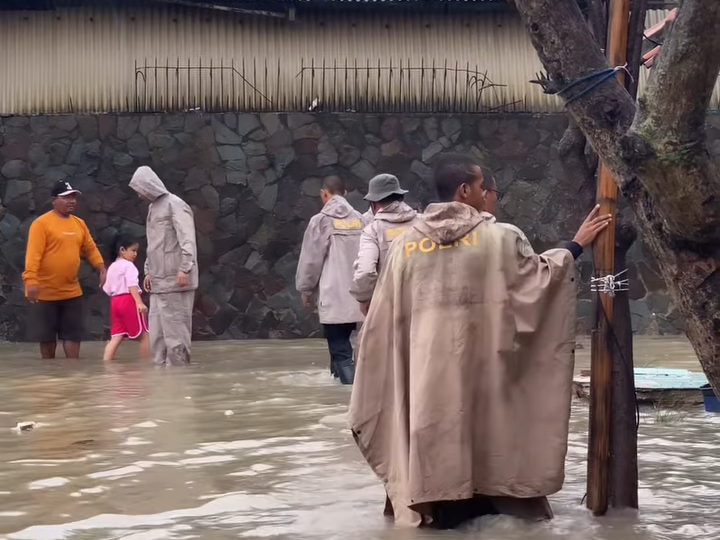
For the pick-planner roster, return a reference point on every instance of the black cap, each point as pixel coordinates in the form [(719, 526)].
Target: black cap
[(63, 188)]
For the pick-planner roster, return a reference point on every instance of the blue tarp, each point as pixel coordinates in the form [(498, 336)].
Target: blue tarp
[(668, 379)]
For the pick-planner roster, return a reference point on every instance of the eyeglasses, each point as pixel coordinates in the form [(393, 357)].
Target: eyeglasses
[(498, 194)]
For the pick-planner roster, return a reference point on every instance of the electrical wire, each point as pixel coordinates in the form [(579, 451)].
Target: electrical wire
[(651, 40), (627, 363)]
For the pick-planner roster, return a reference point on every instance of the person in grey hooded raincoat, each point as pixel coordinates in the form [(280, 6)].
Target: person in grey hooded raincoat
[(329, 248), (171, 271), (392, 217)]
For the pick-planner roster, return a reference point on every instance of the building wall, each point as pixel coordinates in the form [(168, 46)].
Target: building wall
[(160, 59), (253, 182)]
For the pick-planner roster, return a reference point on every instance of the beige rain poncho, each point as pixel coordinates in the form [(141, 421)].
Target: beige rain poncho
[(463, 380), (172, 248)]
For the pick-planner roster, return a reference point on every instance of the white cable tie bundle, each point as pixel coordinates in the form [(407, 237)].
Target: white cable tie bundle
[(610, 284)]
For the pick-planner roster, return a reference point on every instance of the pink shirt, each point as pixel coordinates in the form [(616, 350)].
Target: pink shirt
[(121, 275)]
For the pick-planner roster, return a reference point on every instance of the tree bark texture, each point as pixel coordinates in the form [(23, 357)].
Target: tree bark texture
[(657, 150)]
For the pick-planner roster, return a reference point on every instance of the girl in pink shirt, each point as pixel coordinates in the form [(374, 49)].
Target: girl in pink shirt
[(127, 308)]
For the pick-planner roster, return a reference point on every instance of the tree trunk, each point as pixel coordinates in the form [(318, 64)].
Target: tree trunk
[(659, 157)]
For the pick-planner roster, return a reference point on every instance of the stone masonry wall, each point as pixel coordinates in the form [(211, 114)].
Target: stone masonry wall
[(253, 182)]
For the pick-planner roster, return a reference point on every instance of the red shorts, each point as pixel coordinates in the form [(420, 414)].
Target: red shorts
[(126, 319)]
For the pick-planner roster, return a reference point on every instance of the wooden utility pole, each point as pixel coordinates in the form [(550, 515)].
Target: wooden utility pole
[(603, 347)]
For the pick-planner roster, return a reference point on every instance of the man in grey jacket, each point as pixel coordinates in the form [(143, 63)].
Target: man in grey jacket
[(171, 271), (326, 260), (392, 218)]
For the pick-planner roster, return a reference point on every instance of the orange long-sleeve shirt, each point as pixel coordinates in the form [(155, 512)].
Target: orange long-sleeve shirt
[(52, 260)]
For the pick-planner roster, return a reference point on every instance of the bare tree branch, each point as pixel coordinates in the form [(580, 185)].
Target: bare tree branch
[(667, 139), (576, 164), (665, 166), (662, 165), (694, 45), (569, 52)]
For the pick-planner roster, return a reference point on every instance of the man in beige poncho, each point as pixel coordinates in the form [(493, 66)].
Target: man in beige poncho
[(462, 392)]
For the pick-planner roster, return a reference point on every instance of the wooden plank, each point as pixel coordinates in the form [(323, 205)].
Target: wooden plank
[(602, 342)]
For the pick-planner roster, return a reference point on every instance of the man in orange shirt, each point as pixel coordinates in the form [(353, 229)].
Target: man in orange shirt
[(56, 241)]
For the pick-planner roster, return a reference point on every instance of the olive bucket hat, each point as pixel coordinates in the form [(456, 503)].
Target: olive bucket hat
[(382, 186)]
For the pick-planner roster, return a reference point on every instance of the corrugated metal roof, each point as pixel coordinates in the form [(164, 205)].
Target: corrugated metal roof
[(93, 60)]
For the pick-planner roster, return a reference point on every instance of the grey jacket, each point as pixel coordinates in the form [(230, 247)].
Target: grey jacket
[(170, 235), (389, 223), (329, 248), (368, 217)]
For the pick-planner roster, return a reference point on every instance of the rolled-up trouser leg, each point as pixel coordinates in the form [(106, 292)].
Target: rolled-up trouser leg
[(155, 327), (175, 313)]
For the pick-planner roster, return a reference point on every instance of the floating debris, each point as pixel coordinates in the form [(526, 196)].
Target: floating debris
[(229, 413), (23, 427), (83, 442)]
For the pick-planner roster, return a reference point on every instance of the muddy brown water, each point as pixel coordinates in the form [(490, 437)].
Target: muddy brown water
[(250, 442)]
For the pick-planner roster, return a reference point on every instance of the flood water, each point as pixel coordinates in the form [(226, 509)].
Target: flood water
[(251, 442)]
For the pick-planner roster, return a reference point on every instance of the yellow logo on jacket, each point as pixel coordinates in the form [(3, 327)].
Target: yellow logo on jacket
[(347, 225), (428, 246), (391, 234)]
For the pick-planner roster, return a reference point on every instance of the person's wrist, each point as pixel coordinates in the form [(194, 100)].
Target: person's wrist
[(576, 248)]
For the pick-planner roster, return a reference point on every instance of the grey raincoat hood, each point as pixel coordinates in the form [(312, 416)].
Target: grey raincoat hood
[(445, 223), (338, 208), (397, 212), (148, 184)]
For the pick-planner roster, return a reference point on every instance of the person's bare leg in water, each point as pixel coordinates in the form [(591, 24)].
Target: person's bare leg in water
[(72, 349), (47, 350)]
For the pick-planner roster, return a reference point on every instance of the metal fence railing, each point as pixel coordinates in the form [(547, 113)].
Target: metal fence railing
[(358, 86)]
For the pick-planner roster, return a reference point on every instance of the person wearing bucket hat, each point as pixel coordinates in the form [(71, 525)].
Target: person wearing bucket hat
[(56, 242), (325, 267), (392, 217)]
